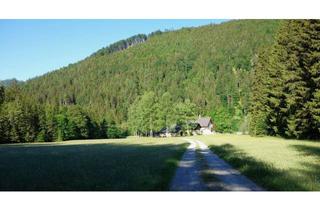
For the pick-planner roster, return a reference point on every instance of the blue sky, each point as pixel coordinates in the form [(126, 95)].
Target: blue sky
[(30, 48)]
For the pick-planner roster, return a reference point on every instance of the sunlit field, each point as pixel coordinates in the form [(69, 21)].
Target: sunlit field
[(112, 165), (273, 163), (149, 163)]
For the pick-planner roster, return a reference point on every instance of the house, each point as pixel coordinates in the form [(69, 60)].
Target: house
[(174, 130), (204, 126)]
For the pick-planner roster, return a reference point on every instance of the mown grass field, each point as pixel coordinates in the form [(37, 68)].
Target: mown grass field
[(273, 163), (133, 164)]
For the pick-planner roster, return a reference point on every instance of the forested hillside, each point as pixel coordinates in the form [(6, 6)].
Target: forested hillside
[(206, 67)]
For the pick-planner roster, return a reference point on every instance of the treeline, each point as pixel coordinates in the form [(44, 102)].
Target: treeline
[(286, 85), (149, 114), (23, 120), (123, 44)]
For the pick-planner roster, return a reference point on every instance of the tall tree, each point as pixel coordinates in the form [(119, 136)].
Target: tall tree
[(2, 94), (259, 95), (184, 113), (164, 111)]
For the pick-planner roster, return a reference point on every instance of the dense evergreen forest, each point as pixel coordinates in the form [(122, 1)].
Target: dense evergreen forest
[(286, 83), (150, 81)]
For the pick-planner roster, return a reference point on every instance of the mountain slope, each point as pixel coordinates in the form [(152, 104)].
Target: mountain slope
[(209, 65), (9, 82)]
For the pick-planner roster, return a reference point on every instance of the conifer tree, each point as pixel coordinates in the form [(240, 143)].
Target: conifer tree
[(1, 95), (259, 108)]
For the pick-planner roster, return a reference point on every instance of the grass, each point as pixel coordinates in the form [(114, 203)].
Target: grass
[(273, 163), (133, 164)]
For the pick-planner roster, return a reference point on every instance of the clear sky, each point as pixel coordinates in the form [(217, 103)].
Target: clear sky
[(30, 48)]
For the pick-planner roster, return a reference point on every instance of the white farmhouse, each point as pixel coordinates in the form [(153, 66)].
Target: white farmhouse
[(204, 126)]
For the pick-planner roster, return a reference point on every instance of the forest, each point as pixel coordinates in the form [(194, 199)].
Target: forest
[(257, 76), (22, 120), (286, 83)]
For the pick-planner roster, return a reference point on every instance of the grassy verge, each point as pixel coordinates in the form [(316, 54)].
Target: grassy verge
[(133, 164), (273, 163)]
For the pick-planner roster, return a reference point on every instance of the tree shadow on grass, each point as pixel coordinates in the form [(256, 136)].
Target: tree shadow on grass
[(308, 150), (93, 167), (311, 170), (264, 174)]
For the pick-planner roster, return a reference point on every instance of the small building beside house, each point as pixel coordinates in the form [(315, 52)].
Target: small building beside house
[(204, 126), (174, 130)]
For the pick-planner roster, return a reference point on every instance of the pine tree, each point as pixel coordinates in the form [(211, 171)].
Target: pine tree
[(164, 111), (4, 125), (51, 123), (184, 113), (3, 120), (310, 39), (299, 41), (2, 95), (103, 129), (135, 118), (276, 124), (259, 108)]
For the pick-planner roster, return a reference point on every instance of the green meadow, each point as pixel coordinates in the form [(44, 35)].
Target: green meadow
[(143, 164), (114, 165), (274, 163)]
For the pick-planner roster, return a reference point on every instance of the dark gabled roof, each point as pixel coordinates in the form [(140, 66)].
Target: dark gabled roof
[(204, 121), (172, 129)]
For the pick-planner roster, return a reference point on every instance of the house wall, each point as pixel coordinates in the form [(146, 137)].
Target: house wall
[(205, 131)]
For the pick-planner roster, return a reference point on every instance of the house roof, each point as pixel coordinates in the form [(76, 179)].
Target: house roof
[(204, 121), (172, 129)]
